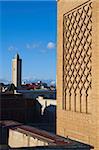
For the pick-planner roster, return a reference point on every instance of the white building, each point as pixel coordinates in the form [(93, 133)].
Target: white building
[(46, 102), (16, 70)]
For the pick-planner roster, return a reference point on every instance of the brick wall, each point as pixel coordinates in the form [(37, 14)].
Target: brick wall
[(78, 70)]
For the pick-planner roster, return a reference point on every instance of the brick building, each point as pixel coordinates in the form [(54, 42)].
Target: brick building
[(78, 70)]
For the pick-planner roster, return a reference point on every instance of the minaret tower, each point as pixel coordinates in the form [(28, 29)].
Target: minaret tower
[(16, 70)]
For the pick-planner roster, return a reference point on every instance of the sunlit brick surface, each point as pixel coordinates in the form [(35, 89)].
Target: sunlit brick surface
[(78, 70)]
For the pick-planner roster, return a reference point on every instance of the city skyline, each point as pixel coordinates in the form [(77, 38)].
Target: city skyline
[(28, 28)]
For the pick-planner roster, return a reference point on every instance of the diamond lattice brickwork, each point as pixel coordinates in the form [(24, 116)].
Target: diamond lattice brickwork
[(77, 54)]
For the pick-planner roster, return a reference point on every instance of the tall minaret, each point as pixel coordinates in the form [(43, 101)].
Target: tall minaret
[(16, 70)]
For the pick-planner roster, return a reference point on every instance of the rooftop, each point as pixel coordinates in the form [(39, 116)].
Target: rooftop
[(55, 141)]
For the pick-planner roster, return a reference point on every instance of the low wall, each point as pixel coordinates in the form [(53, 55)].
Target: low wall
[(18, 139), (46, 102)]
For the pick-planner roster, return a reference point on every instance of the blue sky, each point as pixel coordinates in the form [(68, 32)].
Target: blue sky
[(28, 28)]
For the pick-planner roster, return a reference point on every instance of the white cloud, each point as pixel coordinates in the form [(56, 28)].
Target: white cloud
[(28, 46), (11, 48), (36, 45), (51, 45), (41, 46)]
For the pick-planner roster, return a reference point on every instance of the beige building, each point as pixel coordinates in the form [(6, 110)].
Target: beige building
[(16, 70), (78, 70)]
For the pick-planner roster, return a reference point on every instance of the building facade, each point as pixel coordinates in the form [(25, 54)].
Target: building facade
[(16, 70), (78, 70)]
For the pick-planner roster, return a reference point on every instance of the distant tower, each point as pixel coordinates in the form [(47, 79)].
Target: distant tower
[(16, 70)]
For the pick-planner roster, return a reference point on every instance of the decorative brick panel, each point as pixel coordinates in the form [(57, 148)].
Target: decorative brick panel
[(77, 54)]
